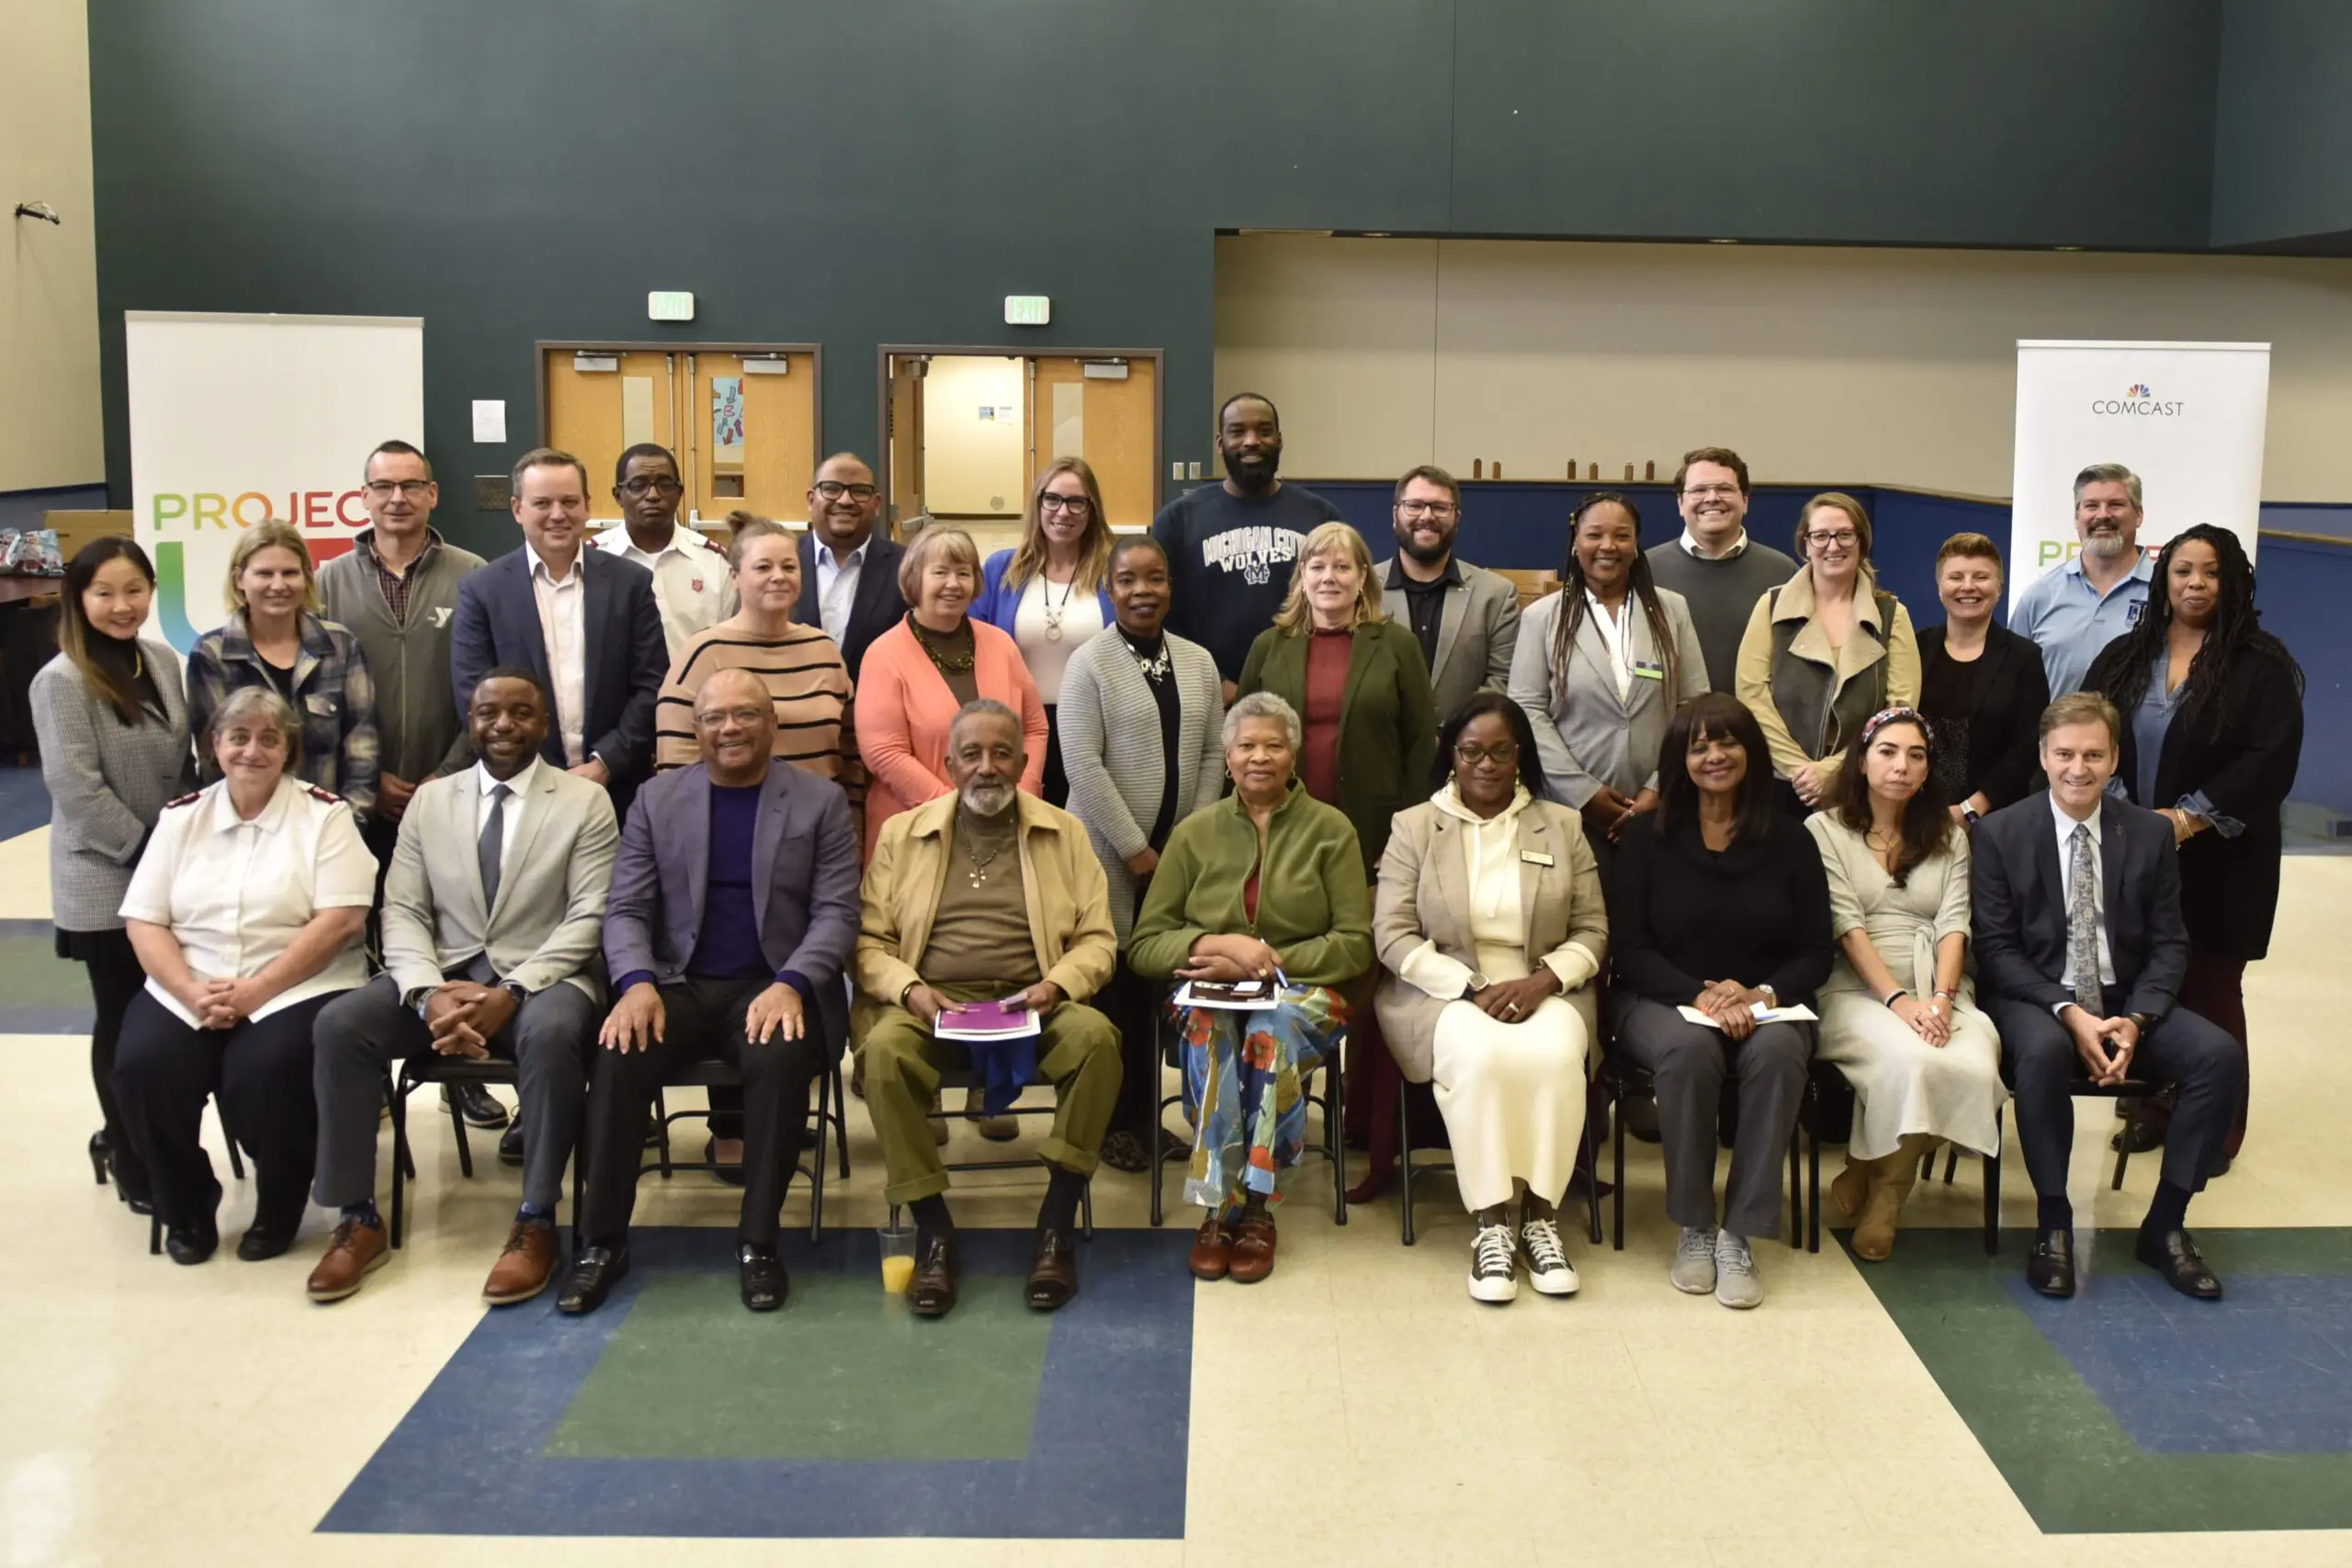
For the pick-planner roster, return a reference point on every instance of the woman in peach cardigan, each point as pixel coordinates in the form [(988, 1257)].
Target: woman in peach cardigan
[(920, 673)]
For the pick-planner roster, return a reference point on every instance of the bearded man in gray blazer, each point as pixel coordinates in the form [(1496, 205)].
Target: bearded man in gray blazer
[(1465, 618), (494, 909)]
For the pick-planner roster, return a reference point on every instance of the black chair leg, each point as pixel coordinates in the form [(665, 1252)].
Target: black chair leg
[(825, 1081), (661, 1115), (1617, 1124), (403, 1160), (2123, 1158), (1813, 1192), (1591, 1173), (1952, 1162), (1796, 1192), (464, 1149), (229, 1136), (1335, 1133), (1404, 1162), (1086, 1208)]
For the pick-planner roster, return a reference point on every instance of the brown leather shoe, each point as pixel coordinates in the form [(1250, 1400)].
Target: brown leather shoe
[(523, 1270), (931, 1291), (1253, 1250), (1212, 1250), (1052, 1270), (357, 1251)]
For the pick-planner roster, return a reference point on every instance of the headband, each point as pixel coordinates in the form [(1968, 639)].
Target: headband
[(1881, 720)]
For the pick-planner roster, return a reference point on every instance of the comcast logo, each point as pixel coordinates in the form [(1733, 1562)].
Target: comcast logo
[(2139, 402), (2139, 389)]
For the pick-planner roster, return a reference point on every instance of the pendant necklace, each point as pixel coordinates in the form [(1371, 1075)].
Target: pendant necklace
[(1154, 664), (1045, 597), (981, 863)]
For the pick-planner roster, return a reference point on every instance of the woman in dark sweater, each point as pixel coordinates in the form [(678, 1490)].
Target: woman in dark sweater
[(1981, 686), (1719, 904), (2212, 711)]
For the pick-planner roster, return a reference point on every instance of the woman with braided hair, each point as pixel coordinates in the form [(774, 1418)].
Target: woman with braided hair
[(2212, 711), (1601, 667)]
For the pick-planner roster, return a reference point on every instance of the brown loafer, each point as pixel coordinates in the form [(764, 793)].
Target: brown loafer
[(523, 1268), (1052, 1270), (357, 1251), (1212, 1250), (931, 1291), (1253, 1250)]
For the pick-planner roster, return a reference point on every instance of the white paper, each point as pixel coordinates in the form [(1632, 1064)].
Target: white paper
[(1185, 998), (489, 421), (1763, 1015)]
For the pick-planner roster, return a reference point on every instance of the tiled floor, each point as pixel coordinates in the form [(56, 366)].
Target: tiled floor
[(1356, 1408)]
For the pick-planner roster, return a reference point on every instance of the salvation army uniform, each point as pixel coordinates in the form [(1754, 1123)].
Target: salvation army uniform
[(234, 895), (690, 580)]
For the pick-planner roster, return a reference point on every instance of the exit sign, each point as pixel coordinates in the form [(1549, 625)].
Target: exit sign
[(670, 305), (1027, 309)]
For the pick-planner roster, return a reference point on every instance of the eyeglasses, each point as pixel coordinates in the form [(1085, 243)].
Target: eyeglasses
[(1076, 505), (1503, 754), (833, 489), (1843, 539), (1721, 492), (654, 484), (720, 716), (381, 490), (1426, 509)]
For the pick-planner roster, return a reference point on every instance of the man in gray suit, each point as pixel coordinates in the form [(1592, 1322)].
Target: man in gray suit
[(1465, 618), (734, 908), (492, 913)]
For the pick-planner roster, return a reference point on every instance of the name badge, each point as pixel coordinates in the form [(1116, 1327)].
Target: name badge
[(1649, 672), (1535, 857)]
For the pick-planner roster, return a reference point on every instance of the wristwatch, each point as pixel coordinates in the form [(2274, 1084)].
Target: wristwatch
[(1474, 984)]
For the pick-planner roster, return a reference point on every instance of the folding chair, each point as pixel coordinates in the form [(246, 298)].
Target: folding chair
[(1828, 1116), (960, 1077), (236, 1168), (1332, 1102), (430, 1067), (1625, 1078), (711, 1072), (1589, 1164)]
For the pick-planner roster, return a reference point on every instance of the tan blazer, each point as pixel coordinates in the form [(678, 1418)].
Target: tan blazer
[(1070, 905), (1424, 896)]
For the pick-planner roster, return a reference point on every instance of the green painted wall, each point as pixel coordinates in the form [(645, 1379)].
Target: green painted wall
[(852, 173), (2283, 150)]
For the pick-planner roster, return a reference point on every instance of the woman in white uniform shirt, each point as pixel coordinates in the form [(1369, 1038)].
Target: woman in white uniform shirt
[(1052, 594), (246, 912)]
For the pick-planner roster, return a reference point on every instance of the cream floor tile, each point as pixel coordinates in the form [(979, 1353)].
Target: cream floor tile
[(24, 876)]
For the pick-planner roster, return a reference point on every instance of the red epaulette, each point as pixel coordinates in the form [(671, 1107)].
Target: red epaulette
[(327, 796), (706, 542), (185, 800)]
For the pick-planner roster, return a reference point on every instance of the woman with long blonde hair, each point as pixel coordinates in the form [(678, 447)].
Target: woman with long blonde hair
[(1051, 593)]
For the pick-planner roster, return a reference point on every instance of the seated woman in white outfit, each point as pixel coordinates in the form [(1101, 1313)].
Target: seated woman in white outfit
[(1490, 929), (1898, 1016)]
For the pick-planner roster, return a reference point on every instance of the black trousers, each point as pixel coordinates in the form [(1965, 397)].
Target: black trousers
[(162, 1072), (2039, 1059), (703, 1021), (1128, 1001), (115, 978)]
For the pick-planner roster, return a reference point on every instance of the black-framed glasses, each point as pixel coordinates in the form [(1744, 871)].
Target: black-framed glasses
[(652, 484), (1503, 754), (1841, 539), (383, 490), (833, 489), (1076, 505), (1426, 509)]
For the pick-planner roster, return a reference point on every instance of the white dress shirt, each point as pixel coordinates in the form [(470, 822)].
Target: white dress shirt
[(1614, 630), (513, 806), (563, 621), (1691, 543), (837, 585), (2066, 826), (690, 581), (235, 893)]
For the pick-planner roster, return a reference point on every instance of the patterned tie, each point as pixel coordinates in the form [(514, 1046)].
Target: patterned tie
[(491, 846), (2082, 922)]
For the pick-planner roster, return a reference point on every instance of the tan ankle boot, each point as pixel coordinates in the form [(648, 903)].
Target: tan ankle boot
[(1874, 1231), (1851, 1187)]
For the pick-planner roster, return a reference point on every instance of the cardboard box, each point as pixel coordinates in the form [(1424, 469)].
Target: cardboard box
[(75, 529)]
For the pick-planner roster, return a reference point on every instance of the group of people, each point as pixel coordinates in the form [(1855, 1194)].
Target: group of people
[(604, 807)]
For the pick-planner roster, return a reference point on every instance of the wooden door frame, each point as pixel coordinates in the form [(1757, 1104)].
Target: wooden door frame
[(882, 357), (816, 352)]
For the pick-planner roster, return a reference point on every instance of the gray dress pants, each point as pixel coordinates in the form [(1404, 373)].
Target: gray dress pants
[(1689, 1061), (362, 1033)]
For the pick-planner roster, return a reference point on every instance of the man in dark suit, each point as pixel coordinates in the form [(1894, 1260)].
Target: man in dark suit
[(733, 910), (849, 569), (2080, 951), (584, 622)]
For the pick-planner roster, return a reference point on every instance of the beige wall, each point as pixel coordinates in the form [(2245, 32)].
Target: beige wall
[(971, 464), (1860, 365), (50, 431)]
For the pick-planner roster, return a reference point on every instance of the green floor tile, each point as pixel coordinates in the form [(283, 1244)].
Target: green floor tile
[(840, 1373)]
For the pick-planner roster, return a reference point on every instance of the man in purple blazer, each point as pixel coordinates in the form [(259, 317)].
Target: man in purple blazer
[(733, 909)]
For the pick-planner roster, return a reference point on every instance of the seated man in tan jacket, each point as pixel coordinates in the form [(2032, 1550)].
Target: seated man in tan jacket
[(985, 895)]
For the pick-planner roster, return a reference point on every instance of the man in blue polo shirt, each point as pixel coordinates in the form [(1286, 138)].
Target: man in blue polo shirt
[(2074, 611)]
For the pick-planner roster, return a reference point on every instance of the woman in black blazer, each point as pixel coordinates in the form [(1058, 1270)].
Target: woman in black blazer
[(2212, 711), (1981, 686)]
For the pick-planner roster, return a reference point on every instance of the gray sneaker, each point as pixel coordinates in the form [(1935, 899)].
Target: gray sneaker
[(1694, 1262), (1737, 1284)]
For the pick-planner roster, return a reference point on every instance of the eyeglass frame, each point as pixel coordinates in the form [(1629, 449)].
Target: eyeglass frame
[(833, 489)]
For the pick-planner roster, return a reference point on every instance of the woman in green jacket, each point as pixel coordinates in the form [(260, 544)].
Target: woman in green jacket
[(1357, 681), (1266, 885)]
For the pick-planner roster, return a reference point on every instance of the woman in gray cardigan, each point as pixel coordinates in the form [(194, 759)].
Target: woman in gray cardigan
[(1140, 718), (110, 712), (1600, 668)]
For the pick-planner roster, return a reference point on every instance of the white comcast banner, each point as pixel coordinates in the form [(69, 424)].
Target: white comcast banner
[(238, 419), (2186, 417)]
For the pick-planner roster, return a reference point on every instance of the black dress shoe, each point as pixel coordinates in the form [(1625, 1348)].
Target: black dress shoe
[(2176, 1257), (2050, 1267), (1052, 1270), (475, 1103), (510, 1144), (766, 1284), (101, 1155), (192, 1244), (268, 1238), (593, 1277), (931, 1291)]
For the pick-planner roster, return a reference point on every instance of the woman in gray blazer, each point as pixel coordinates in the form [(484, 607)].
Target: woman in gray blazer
[(110, 712), (1601, 667), (1141, 715)]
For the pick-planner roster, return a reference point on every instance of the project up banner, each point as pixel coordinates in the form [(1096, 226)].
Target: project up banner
[(2186, 417), (237, 419)]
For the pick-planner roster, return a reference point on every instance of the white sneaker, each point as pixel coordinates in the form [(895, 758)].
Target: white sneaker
[(1548, 1269), (1737, 1284), (1493, 1275), (1694, 1262)]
